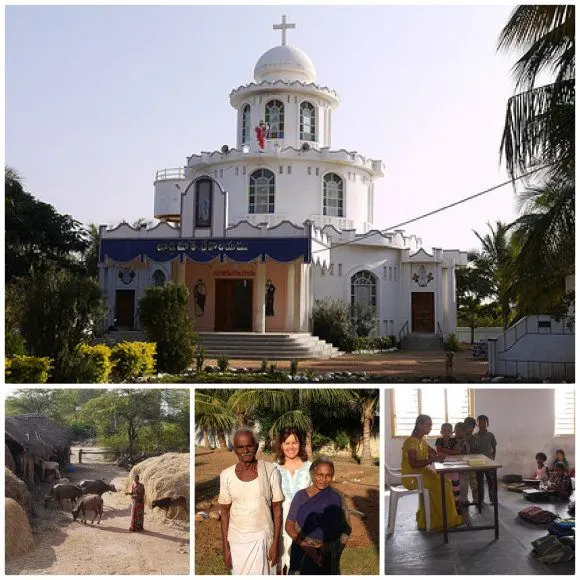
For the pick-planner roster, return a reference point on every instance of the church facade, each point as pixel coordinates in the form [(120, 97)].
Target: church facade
[(259, 231)]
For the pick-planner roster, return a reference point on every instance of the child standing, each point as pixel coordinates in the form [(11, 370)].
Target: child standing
[(471, 442), (446, 445), (463, 449), (486, 445), (542, 471)]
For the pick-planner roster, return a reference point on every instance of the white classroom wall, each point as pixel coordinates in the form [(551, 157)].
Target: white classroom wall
[(521, 419)]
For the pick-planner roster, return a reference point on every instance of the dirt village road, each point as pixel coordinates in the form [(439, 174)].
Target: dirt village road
[(67, 547)]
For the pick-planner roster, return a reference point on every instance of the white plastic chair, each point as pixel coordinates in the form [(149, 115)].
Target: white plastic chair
[(393, 477)]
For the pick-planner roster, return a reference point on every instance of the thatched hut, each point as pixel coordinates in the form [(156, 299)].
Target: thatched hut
[(32, 439), (164, 476), (19, 539)]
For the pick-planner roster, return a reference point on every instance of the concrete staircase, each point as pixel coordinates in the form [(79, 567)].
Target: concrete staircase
[(418, 341), (272, 346), (248, 345)]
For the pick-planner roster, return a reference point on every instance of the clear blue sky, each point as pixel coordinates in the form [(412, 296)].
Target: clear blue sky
[(100, 97)]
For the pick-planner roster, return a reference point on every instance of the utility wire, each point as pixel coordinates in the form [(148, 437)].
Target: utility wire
[(433, 212)]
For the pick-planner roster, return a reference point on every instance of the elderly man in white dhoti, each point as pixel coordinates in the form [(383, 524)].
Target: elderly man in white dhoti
[(251, 510)]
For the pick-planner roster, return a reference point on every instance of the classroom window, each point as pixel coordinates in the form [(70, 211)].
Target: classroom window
[(443, 405), (564, 411)]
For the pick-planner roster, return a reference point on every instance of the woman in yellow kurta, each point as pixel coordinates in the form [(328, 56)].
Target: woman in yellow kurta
[(417, 455)]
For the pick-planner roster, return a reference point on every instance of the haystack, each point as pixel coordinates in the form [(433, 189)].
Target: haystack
[(19, 539), (163, 476), (16, 489)]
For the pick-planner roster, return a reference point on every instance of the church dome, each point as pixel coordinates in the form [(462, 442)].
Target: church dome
[(286, 63)]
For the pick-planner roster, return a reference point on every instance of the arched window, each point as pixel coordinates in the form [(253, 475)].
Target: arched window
[(275, 118), (159, 278), (246, 126), (332, 195), (307, 122), (363, 290), (262, 186)]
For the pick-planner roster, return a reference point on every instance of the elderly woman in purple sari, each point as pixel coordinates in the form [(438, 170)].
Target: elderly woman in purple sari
[(318, 523)]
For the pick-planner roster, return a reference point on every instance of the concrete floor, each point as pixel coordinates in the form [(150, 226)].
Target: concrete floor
[(410, 551)]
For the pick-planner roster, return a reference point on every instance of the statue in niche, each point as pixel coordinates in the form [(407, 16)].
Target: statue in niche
[(270, 290), (199, 296), (422, 278)]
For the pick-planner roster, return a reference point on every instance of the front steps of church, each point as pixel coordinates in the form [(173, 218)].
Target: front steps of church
[(418, 341), (249, 345)]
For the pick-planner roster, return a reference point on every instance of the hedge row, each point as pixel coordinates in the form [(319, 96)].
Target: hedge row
[(90, 364)]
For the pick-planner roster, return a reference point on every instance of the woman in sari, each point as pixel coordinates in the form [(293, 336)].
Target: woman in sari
[(294, 467), (137, 494), (318, 524), (417, 456)]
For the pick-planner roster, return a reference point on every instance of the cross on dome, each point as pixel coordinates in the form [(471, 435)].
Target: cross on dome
[(283, 27)]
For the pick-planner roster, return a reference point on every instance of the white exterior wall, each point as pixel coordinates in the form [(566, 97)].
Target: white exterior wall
[(298, 195), (522, 421)]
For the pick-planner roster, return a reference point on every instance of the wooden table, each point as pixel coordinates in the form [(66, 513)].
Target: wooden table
[(486, 465)]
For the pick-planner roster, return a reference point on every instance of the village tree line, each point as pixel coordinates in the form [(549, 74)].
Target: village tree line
[(125, 421)]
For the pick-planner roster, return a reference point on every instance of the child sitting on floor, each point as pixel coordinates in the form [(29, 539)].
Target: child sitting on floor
[(447, 445), (542, 471), (561, 457), (560, 484)]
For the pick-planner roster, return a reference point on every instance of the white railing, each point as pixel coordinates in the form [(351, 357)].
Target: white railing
[(339, 223), (271, 219), (170, 173)]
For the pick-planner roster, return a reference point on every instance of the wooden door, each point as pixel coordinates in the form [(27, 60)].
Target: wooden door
[(125, 309), (233, 305), (423, 311)]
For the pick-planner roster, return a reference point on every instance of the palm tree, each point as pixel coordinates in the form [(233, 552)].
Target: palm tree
[(543, 244), (539, 127), (213, 414), (366, 402), (296, 407), (495, 264)]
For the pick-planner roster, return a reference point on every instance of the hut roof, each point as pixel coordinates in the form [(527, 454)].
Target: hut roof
[(37, 433)]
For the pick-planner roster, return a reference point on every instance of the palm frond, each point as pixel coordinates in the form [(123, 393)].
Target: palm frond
[(294, 418)]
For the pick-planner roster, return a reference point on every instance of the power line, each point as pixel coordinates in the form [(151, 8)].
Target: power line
[(433, 212)]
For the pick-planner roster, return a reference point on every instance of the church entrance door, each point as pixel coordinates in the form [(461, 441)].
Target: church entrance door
[(125, 309), (423, 311), (233, 305)]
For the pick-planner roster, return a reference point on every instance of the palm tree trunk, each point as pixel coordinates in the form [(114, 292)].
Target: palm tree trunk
[(222, 439), (206, 439), (309, 432), (366, 457)]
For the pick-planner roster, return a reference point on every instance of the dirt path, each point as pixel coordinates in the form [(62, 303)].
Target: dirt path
[(360, 485), (67, 547), (400, 366)]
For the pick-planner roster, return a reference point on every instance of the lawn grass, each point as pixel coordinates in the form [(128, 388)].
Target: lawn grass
[(354, 561)]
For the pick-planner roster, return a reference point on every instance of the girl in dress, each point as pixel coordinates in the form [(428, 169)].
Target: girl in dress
[(292, 462)]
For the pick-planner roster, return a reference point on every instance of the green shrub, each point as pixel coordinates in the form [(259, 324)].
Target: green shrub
[(272, 368), (294, 367), (223, 362), (362, 320), (164, 316), (452, 343), (14, 344), (341, 440), (385, 342), (330, 321), (319, 440), (27, 369), (91, 364), (264, 366), (132, 359), (199, 358)]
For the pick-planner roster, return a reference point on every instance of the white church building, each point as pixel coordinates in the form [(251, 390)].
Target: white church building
[(259, 231)]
